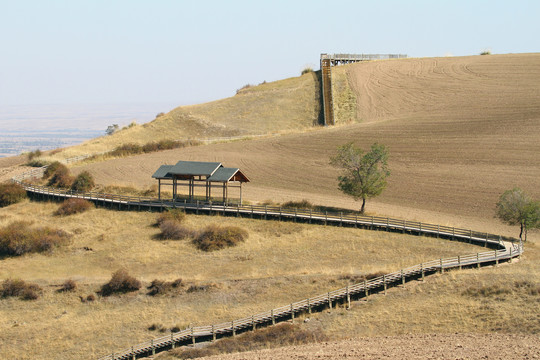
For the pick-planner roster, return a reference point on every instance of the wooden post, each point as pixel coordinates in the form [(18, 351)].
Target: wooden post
[(159, 189), (280, 213), (295, 214), (403, 228), (253, 322), (325, 217), (496, 260), (197, 211), (233, 329), (441, 269), (453, 233), (273, 318), (384, 283), (192, 335), (213, 333), (438, 231), (422, 269), (310, 215), (348, 298), (341, 218), (485, 244), (309, 305), (153, 348), (387, 224), (133, 356), (356, 221), (372, 221), (172, 341), (265, 212), (459, 261), (292, 314), (478, 260), (329, 301), (402, 278), (366, 291)]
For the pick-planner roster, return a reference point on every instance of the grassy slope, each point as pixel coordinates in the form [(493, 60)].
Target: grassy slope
[(243, 278), (460, 132), (281, 106)]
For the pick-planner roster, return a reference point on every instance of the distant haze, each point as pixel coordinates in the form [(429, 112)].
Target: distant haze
[(29, 127)]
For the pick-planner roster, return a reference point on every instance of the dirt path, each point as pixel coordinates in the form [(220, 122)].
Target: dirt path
[(439, 346)]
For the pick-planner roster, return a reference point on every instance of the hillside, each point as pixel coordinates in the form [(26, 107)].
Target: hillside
[(460, 131), (281, 106)]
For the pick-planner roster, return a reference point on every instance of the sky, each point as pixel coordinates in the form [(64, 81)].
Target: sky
[(185, 52)]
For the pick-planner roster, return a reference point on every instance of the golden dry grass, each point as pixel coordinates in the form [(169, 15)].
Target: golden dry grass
[(301, 260), (281, 106)]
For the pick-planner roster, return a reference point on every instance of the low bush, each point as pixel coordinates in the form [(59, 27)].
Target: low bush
[(38, 163), (68, 286), (19, 288), (83, 182), (276, 336), (73, 206), (176, 215), (61, 177), (20, 237), (11, 193), (172, 230), (303, 204), (34, 154), (121, 282), (51, 169), (215, 237), (126, 150), (247, 86), (307, 70), (159, 287)]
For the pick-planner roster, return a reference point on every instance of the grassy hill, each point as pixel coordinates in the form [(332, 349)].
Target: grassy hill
[(276, 107), (460, 132)]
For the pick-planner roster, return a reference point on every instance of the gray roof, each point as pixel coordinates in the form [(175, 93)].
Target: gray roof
[(195, 168), (163, 172), (223, 174)]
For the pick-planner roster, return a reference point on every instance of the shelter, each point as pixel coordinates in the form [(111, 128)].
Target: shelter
[(196, 175)]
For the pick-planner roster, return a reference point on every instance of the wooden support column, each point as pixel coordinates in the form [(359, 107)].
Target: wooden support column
[(240, 193), (159, 189)]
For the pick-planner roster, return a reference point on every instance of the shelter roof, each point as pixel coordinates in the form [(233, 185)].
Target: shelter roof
[(195, 168), (224, 174), (163, 172)]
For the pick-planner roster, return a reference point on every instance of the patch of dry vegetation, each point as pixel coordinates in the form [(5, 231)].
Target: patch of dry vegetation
[(105, 240), (267, 338), (20, 237), (11, 193), (121, 282), (217, 237), (19, 288), (74, 206)]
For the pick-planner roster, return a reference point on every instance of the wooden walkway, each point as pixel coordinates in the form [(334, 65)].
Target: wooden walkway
[(498, 249)]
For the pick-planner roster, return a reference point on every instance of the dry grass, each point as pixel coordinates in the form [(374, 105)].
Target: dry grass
[(105, 241), (285, 105)]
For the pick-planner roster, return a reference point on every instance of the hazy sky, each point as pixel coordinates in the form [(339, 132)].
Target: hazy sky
[(182, 52)]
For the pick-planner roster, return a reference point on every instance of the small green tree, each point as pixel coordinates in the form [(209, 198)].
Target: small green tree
[(364, 174), (516, 208)]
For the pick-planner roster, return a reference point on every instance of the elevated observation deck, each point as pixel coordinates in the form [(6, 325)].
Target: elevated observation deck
[(329, 60)]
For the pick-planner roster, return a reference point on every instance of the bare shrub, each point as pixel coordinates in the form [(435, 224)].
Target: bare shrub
[(73, 206), (51, 169), (11, 194), (171, 230), (83, 182), (19, 288), (159, 287), (34, 154), (19, 238), (215, 237), (68, 286), (61, 178), (121, 282), (247, 86), (176, 215), (307, 70), (271, 337), (302, 204)]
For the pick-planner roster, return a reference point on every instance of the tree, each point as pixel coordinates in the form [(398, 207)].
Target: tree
[(111, 129), (364, 174), (515, 207)]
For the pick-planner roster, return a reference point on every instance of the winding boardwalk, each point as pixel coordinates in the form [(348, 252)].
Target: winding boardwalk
[(498, 249)]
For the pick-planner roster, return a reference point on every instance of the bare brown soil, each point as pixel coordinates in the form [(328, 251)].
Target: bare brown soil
[(431, 346), (460, 132)]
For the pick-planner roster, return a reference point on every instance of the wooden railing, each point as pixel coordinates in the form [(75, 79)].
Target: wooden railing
[(502, 249)]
